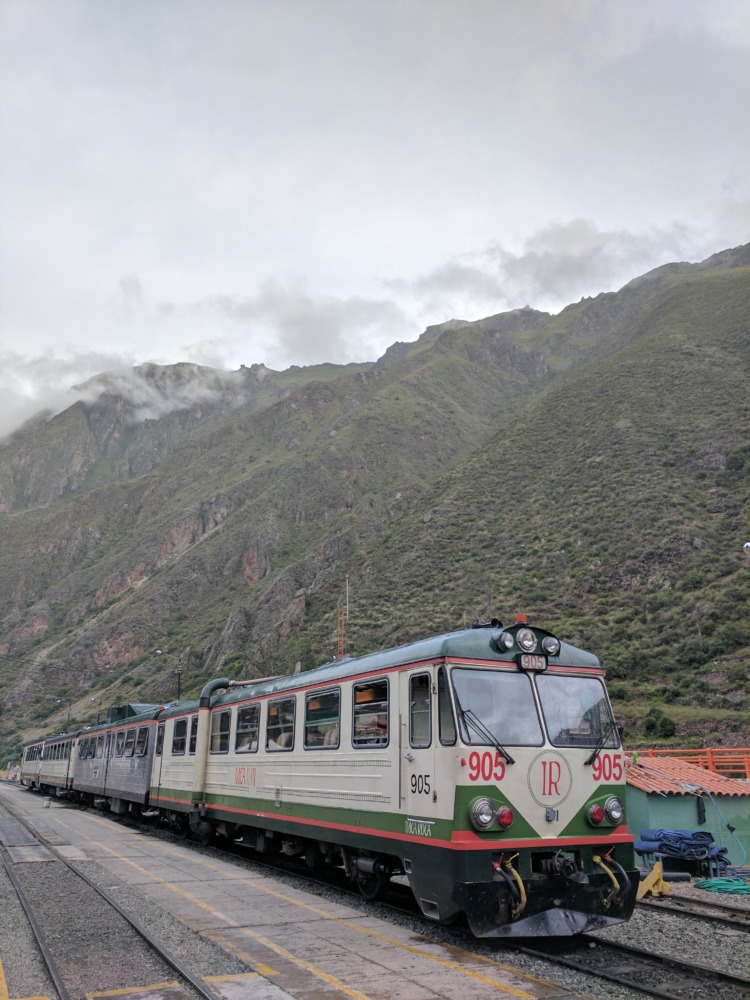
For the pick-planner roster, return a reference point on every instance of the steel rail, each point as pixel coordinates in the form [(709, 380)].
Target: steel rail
[(161, 950), (684, 972), (41, 940), (705, 909)]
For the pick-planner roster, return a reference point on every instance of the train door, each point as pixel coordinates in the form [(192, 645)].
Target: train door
[(417, 774)]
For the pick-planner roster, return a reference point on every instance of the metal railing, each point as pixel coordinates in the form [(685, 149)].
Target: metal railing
[(734, 763)]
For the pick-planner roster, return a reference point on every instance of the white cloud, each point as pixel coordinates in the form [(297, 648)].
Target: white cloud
[(558, 264), (292, 182)]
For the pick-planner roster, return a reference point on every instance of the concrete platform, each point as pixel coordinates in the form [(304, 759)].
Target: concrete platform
[(291, 943)]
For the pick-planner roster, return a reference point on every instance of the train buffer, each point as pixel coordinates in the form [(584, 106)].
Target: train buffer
[(654, 882)]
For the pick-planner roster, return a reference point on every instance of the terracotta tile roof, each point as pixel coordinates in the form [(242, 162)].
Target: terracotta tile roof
[(672, 776)]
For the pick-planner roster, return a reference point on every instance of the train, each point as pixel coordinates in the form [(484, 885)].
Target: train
[(483, 768)]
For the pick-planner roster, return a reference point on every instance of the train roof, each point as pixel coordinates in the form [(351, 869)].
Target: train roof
[(469, 644), (477, 643)]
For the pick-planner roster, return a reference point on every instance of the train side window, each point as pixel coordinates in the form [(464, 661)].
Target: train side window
[(193, 734), (280, 724), (110, 751), (322, 719), (159, 739), (220, 725), (370, 714), (446, 722), (420, 714), (100, 745), (179, 737), (248, 724), (130, 743), (120, 744), (141, 743)]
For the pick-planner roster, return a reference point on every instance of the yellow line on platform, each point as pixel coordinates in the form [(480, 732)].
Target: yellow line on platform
[(223, 941), (294, 959), (412, 949), (257, 884)]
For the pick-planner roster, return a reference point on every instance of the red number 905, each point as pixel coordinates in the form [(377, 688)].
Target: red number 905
[(487, 766), (607, 767)]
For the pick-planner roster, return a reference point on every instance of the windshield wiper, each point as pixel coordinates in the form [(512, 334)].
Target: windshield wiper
[(479, 727), (609, 730)]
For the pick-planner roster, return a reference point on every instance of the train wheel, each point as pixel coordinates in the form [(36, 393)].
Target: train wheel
[(371, 884)]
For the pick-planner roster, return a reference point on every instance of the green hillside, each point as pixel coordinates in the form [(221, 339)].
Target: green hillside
[(591, 469)]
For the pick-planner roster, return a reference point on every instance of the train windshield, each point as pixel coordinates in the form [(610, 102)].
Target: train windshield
[(496, 704), (576, 711)]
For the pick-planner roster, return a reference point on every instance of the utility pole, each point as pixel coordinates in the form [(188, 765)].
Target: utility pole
[(343, 620), (341, 649)]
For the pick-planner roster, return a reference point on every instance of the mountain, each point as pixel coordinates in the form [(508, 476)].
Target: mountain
[(590, 468)]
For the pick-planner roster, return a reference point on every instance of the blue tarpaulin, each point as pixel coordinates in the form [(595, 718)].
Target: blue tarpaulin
[(692, 845)]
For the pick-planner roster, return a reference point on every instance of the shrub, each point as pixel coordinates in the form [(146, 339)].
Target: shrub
[(692, 652), (658, 724)]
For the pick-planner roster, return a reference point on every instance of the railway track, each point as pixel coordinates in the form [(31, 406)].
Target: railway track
[(705, 909), (87, 941), (652, 974)]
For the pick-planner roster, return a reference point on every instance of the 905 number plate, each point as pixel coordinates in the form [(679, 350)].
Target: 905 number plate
[(531, 662)]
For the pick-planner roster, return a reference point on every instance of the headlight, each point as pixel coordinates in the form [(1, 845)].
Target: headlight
[(482, 814), (550, 645), (613, 809), (526, 640), (505, 641)]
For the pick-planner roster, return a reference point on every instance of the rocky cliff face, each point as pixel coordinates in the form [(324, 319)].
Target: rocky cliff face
[(208, 520)]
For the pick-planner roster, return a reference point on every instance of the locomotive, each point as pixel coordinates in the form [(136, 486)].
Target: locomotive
[(483, 767)]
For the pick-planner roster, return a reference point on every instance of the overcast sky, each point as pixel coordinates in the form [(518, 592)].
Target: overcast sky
[(294, 181)]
